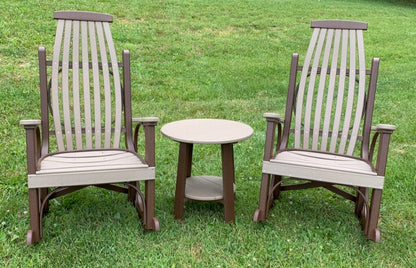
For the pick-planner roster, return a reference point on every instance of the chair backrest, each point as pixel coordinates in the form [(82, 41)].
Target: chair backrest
[(85, 96), (332, 101)]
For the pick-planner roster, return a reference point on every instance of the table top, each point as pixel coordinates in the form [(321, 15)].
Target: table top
[(207, 131)]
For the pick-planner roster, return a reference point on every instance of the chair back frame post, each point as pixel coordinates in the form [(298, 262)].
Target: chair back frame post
[(372, 87), (127, 100), (43, 82), (294, 66)]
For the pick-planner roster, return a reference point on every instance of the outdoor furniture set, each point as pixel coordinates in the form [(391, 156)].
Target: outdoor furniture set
[(85, 135)]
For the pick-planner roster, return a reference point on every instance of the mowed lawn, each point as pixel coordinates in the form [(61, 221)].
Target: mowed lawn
[(210, 59)]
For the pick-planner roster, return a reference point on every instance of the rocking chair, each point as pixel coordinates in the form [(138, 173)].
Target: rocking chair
[(85, 112), (325, 136)]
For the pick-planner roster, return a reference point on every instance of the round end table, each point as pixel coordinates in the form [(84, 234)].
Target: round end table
[(206, 188)]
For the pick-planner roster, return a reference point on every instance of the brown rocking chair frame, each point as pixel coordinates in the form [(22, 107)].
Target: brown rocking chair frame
[(328, 112), (91, 112)]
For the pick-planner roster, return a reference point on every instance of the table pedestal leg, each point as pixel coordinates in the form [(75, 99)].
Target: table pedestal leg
[(184, 171), (228, 181)]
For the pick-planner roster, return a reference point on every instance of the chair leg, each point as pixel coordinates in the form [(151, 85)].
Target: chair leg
[(152, 222), (371, 230), (43, 193), (360, 207), (34, 234), (131, 193), (275, 180), (359, 203), (261, 213)]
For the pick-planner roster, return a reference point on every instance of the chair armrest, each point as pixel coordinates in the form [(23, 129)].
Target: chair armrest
[(273, 117), (382, 135), (33, 143), (30, 122), (148, 124), (273, 121), (143, 120), (384, 128)]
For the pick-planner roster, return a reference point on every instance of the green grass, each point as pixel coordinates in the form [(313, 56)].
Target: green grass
[(220, 59)]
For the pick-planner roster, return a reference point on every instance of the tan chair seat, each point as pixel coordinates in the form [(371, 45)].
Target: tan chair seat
[(324, 167), (90, 167)]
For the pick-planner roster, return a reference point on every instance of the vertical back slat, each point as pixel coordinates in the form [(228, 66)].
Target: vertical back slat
[(117, 87), (86, 85), (55, 85), (75, 85), (96, 85), (340, 92), (65, 85), (330, 92), (321, 89), (301, 91), (107, 88), (351, 92), (311, 88), (361, 93)]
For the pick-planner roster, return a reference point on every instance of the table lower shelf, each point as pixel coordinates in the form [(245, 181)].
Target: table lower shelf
[(204, 188)]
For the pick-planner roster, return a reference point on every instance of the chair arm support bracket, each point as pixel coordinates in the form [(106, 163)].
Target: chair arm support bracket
[(273, 121), (148, 124), (33, 143), (382, 135)]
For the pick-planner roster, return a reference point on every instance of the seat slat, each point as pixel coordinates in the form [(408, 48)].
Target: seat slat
[(89, 168), (87, 154), (89, 161), (55, 87), (98, 157), (324, 167), (52, 166), (324, 160), (83, 156), (75, 86), (58, 166)]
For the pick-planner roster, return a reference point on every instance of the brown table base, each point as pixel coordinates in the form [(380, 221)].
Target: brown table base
[(184, 171)]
